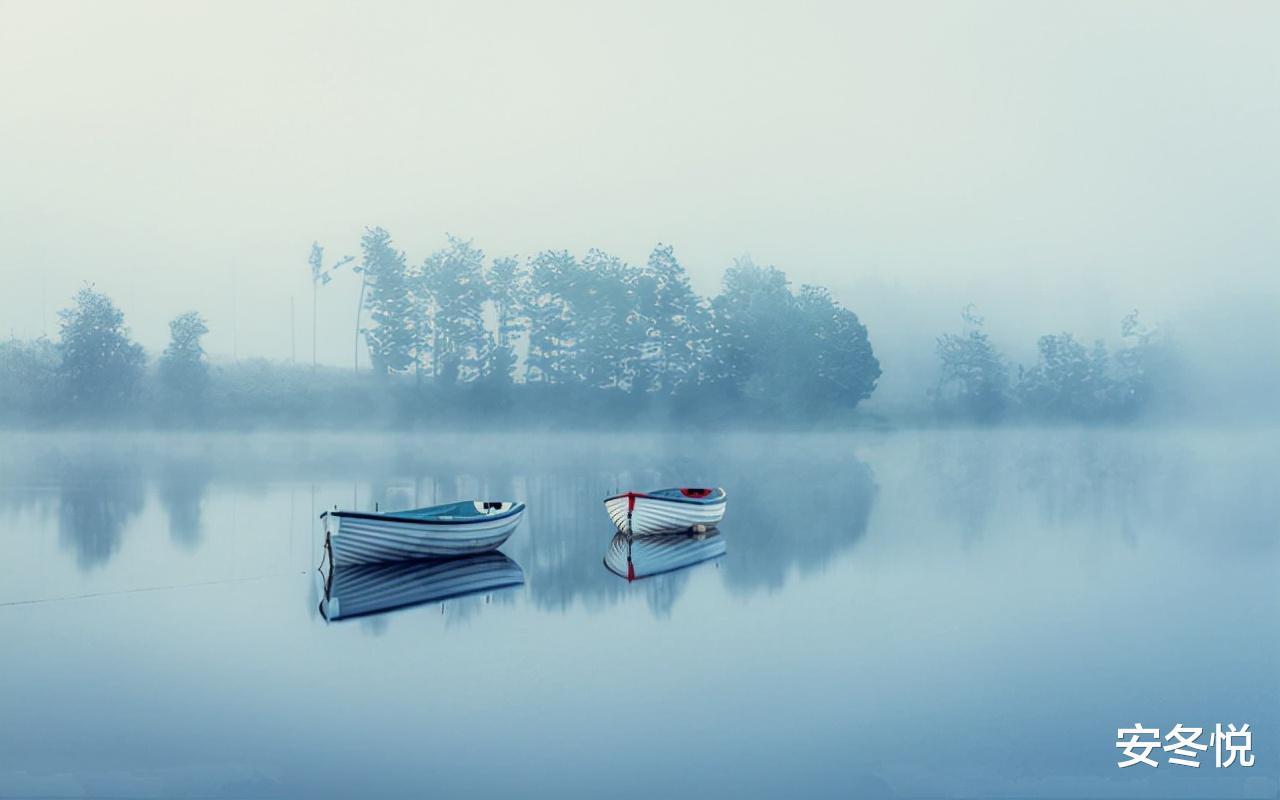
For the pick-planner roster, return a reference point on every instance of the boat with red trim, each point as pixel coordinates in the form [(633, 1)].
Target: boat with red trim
[(674, 510)]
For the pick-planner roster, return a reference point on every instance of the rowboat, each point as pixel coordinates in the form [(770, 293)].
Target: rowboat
[(635, 557), (453, 529), (360, 589), (666, 510)]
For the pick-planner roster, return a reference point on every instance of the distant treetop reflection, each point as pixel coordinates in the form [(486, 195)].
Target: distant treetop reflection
[(98, 497), (182, 484)]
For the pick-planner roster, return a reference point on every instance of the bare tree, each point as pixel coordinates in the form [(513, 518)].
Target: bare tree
[(321, 275)]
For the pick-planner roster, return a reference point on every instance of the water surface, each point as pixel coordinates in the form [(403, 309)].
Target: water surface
[(930, 614)]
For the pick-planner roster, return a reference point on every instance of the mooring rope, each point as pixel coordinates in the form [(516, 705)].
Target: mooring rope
[(88, 595)]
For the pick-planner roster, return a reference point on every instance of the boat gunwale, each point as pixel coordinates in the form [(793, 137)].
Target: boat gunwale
[(390, 517), (701, 501)]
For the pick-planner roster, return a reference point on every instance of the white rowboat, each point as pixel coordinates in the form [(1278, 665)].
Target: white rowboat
[(666, 510), (454, 529)]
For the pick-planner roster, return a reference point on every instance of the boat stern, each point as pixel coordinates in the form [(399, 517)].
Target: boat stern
[(332, 523)]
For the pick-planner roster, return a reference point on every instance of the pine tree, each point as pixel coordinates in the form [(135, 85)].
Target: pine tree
[(391, 337), (607, 343), (507, 287), (454, 281), (676, 329), (553, 276)]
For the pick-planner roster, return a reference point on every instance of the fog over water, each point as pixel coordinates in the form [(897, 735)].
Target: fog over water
[(1057, 166), (919, 614), (1000, 447)]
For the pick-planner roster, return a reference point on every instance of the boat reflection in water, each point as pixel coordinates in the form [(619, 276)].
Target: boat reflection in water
[(634, 557), (360, 589)]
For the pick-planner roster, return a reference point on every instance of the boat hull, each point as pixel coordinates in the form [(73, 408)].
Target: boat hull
[(659, 553), (370, 539), (640, 515)]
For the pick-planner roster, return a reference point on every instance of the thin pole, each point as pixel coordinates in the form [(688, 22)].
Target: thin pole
[(359, 309), (235, 332), (315, 289)]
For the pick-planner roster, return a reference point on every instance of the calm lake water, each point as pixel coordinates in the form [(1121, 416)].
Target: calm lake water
[(917, 614)]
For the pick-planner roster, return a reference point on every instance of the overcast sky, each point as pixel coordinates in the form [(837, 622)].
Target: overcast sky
[(1056, 163)]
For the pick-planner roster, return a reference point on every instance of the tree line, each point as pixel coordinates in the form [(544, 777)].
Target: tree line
[(600, 324), (1070, 380), (459, 335), (562, 339)]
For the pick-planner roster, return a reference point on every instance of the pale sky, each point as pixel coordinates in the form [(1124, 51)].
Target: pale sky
[(1056, 163)]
